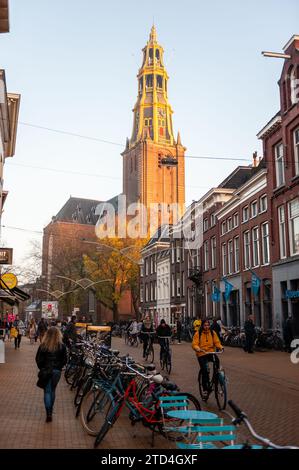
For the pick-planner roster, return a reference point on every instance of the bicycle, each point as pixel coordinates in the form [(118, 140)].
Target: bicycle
[(165, 356), (240, 418), (149, 351), (144, 408), (133, 339), (217, 383)]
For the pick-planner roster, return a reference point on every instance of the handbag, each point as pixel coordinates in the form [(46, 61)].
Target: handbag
[(44, 376), (13, 332)]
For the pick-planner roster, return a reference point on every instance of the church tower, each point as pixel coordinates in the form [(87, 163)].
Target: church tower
[(153, 161)]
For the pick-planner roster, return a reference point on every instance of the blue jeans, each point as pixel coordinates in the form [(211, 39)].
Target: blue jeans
[(49, 391)]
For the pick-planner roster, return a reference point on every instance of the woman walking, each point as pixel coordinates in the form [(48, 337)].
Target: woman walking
[(32, 331), (50, 358)]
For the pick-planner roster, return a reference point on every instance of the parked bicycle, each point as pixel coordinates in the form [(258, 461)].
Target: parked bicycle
[(217, 382)]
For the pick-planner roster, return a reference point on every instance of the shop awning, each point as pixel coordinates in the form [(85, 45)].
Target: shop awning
[(13, 296)]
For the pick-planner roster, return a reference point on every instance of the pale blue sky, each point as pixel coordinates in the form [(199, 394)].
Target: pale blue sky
[(75, 65)]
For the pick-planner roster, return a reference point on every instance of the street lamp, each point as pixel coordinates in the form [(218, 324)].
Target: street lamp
[(113, 248)]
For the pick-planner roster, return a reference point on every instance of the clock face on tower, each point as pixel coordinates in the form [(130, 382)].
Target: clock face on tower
[(161, 112)]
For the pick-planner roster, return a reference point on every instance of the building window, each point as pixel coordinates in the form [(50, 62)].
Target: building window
[(282, 232), (206, 255), (229, 224), (183, 283), (178, 285), (224, 259), (141, 293), (236, 220), (246, 250), (141, 270), (255, 246), (294, 226), (263, 203), (230, 257), (279, 165), (146, 266), (237, 254), (213, 220), (266, 246), (213, 252), (296, 150), (223, 228), (245, 214), (205, 225), (178, 253), (146, 292), (172, 285), (172, 252), (254, 209)]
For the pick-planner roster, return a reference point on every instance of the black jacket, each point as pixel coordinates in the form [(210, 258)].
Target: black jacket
[(51, 360), (163, 330), (249, 328)]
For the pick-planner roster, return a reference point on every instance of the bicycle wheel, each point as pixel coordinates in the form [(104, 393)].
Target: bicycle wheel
[(111, 417), (220, 390), (94, 408), (149, 354), (70, 372), (168, 362), (82, 390)]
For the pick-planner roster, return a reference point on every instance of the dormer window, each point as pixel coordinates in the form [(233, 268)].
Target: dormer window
[(150, 56), (149, 81), (159, 81)]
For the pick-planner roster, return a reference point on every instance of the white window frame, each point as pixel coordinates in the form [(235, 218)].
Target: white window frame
[(254, 204), (236, 220), (178, 285), (263, 202), (246, 208), (296, 150), (224, 259), (282, 232), (206, 255), (292, 217), (223, 227), (229, 224), (178, 253), (230, 257), (247, 250), (237, 254), (255, 247), (279, 165), (205, 224), (212, 220), (265, 243), (183, 284), (213, 252)]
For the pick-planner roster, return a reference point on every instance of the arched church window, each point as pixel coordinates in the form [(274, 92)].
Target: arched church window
[(157, 54)]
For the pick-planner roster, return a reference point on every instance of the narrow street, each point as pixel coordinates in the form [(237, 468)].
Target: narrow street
[(265, 385)]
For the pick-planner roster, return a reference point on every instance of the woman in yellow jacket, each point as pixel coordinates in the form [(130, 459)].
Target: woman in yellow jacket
[(204, 341)]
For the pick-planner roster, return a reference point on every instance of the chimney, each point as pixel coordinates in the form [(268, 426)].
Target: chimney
[(255, 163)]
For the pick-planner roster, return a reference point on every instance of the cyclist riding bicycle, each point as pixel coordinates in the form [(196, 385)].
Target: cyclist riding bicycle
[(147, 327), (206, 341), (162, 331)]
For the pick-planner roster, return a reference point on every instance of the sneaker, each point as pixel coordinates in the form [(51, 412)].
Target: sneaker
[(48, 419)]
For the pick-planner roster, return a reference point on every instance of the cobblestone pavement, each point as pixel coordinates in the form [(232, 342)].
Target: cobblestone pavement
[(265, 385)]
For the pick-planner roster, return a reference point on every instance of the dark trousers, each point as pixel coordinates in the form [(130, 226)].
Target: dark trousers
[(49, 391), (18, 341), (203, 361), (249, 342), (179, 332)]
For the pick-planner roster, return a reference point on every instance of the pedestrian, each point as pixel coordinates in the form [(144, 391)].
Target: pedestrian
[(32, 331), (250, 334), (42, 328), (20, 329), (216, 327), (287, 331), (50, 359), (70, 332), (179, 330), (146, 329)]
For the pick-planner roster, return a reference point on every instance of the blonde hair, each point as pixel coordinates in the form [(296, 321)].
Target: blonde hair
[(52, 339)]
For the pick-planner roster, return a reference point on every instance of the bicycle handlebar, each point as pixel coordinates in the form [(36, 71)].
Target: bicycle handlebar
[(212, 352), (242, 417)]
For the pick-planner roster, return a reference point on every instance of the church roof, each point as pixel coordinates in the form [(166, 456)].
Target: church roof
[(78, 210)]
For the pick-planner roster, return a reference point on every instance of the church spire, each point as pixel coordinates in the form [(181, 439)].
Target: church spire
[(152, 109)]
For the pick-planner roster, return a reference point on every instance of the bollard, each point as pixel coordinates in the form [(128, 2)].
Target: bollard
[(2, 352)]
